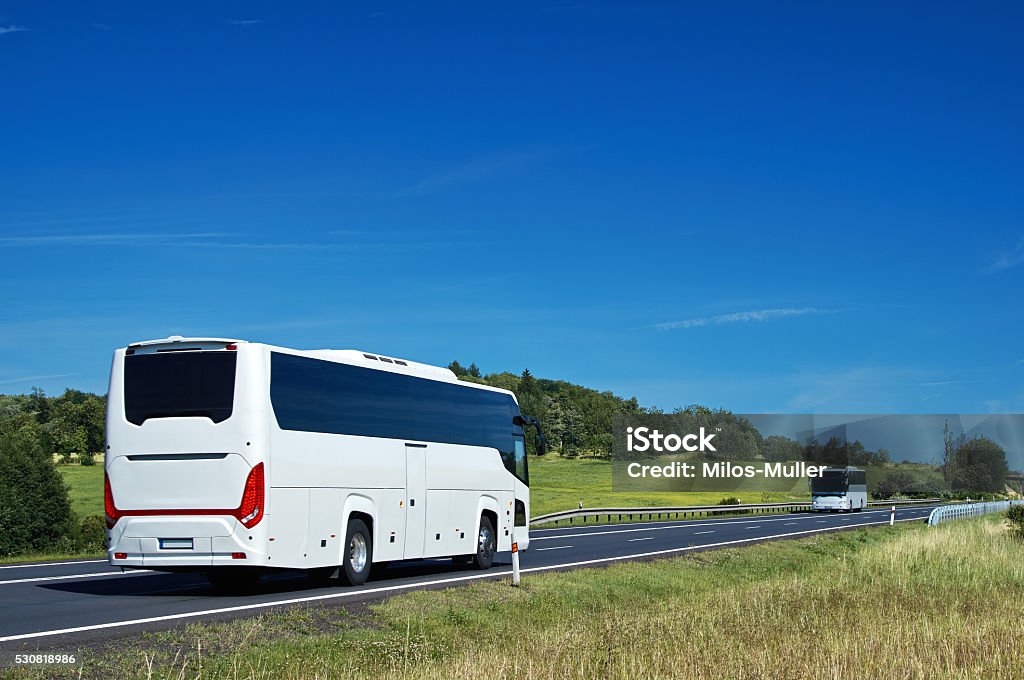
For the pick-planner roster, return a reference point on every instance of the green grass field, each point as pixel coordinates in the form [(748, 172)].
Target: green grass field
[(562, 483), (85, 488), (909, 602)]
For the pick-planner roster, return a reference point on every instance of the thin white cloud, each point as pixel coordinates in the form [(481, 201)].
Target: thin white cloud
[(106, 239), (1009, 258), (475, 170), (313, 246), (245, 22), (31, 378), (12, 29), (740, 317), (215, 240)]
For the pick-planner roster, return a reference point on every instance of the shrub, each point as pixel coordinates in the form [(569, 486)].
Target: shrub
[(897, 482), (1016, 516), (34, 510), (87, 459), (92, 534), (730, 500)]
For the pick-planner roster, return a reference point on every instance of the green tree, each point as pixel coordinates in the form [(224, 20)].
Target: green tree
[(895, 483), (573, 432), (458, 369), (67, 429), (34, 509), (778, 448), (949, 449), (39, 405), (978, 464)]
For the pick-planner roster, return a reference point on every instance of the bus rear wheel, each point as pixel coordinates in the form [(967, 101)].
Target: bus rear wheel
[(487, 544), (358, 555)]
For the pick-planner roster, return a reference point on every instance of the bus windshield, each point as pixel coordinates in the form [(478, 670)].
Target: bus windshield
[(831, 481), (179, 384)]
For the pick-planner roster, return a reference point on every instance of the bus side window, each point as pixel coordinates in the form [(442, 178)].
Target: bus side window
[(520, 516), (521, 471)]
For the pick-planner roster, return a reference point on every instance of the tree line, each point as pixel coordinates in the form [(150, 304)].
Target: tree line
[(578, 423)]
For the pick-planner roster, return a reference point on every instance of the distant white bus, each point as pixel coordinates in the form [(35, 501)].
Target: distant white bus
[(839, 488), (234, 458)]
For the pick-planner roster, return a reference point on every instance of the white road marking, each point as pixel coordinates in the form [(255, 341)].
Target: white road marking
[(698, 533), (68, 577), (409, 586), (648, 538), (554, 547), (48, 564), (787, 524)]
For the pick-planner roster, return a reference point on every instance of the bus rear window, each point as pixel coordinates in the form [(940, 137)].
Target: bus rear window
[(179, 384)]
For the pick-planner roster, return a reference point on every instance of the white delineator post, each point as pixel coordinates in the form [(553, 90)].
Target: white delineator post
[(892, 516), (515, 560)]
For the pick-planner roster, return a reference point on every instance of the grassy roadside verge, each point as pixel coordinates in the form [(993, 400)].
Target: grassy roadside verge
[(36, 558), (912, 602)]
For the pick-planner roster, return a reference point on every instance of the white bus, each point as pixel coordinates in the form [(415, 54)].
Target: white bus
[(234, 458), (839, 488)]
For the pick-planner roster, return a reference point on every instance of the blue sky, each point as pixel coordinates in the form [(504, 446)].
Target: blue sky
[(768, 207)]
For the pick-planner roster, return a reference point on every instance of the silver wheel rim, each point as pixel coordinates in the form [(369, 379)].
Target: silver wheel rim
[(486, 547), (357, 552)]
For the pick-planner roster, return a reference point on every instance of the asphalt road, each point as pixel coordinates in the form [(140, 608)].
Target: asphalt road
[(64, 603)]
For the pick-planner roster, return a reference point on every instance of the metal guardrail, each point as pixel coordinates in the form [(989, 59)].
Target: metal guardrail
[(962, 510), (687, 510)]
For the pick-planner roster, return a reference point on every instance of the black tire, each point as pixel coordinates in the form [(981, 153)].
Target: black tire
[(233, 580), (357, 553), (487, 544)]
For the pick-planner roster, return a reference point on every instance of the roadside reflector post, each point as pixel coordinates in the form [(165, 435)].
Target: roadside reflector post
[(892, 516), (515, 561)]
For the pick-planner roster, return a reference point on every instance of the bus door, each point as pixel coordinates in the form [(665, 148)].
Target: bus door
[(415, 499)]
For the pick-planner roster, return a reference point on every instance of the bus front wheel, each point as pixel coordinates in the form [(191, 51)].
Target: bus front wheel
[(487, 544), (358, 556)]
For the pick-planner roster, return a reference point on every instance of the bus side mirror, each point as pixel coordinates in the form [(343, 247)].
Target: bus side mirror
[(542, 442)]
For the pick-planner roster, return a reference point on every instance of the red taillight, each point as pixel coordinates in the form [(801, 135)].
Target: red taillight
[(113, 514), (250, 511), (120, 556), (238, 556), (231, 347)]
